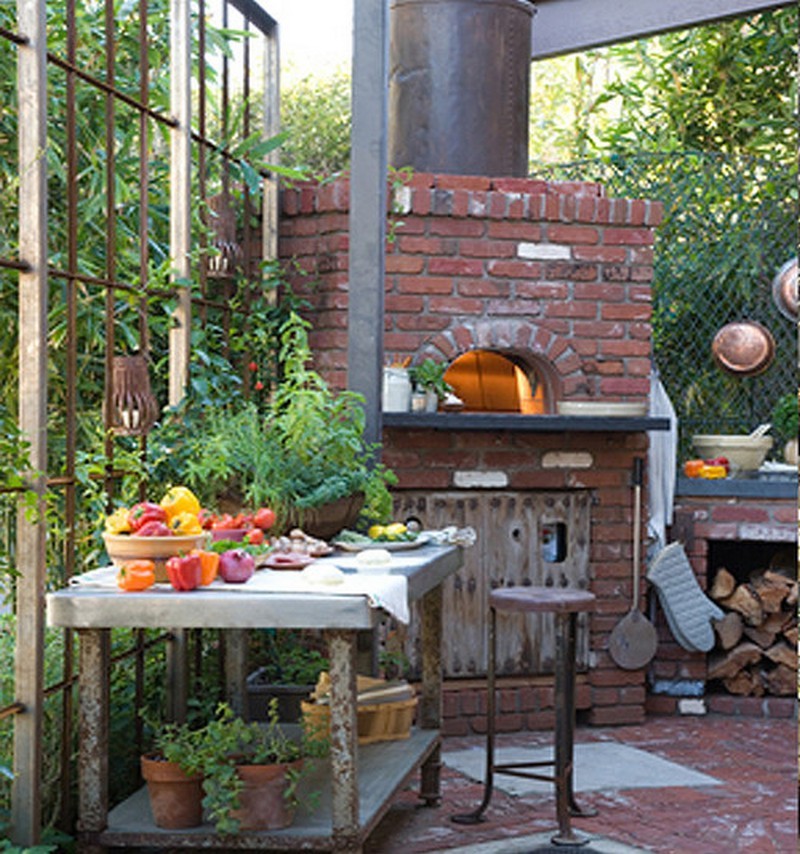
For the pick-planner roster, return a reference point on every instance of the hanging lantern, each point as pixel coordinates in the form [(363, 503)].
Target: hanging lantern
[(134, 408), (229, 253)]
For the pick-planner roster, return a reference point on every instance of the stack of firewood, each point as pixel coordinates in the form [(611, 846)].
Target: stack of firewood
[(756, 640)]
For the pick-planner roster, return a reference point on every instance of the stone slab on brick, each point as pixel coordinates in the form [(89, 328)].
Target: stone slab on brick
[(480, 479), (543, 252)]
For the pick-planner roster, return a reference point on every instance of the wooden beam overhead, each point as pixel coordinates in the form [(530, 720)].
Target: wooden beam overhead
[(568, 26)]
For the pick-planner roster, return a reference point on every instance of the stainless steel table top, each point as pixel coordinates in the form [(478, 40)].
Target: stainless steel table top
[(88, 607)]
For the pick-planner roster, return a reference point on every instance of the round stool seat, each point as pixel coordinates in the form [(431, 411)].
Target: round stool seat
[(558, 600)]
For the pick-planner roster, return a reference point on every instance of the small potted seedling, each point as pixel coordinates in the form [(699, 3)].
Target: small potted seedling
[(428, 378)]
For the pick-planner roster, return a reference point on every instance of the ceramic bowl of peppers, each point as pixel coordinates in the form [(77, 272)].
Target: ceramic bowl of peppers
[(155, 531)]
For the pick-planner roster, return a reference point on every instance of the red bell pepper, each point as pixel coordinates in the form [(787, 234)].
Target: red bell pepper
[(144, 512), (154, 529), (184, 572)]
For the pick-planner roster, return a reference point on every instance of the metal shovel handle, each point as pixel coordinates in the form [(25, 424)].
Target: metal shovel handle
[(638, 465)]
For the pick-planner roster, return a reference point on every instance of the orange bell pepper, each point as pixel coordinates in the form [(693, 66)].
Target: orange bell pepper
[(209, 565), (136, 575), (692, 468)]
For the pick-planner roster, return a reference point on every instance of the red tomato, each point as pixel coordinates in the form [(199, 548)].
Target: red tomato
[(242, 520), (223, 523), (264, 518), (207, 518), (255, 537)]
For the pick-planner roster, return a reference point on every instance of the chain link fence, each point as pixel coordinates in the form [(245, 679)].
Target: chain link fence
[(730, 224)]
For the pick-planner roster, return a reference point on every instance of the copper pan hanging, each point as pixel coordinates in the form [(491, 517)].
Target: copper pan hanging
[(744, 348), (784, 289)]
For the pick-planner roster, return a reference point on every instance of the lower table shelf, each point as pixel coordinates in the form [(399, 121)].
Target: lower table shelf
[(382, 769)]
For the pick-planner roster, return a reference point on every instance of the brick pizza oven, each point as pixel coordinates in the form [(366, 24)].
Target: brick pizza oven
[(556, 277)]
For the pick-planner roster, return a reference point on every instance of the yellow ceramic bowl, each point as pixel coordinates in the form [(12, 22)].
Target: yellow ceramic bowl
[(123, 547)]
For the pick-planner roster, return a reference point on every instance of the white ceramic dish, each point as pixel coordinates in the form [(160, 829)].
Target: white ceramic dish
[(399, 546)]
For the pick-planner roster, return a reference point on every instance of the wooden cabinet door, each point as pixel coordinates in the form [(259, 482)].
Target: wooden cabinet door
[(527, 538)]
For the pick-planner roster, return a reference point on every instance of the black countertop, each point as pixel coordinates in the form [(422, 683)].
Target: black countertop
[(521, 423), (761, 485)]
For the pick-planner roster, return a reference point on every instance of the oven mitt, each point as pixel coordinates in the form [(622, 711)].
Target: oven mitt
[(688, 610)]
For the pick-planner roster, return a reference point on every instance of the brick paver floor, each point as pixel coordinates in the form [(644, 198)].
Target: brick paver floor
[(753, 811)]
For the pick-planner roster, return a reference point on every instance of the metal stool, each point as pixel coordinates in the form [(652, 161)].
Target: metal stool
[(565, 604)]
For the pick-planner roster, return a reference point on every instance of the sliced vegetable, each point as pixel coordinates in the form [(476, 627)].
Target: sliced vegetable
[(184, 572), (136, 575)]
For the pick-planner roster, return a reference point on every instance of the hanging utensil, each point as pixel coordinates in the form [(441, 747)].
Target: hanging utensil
[(784, 289), (633, 641), (744, 348)]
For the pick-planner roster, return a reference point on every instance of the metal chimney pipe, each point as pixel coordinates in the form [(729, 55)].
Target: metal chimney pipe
[(459, 86)]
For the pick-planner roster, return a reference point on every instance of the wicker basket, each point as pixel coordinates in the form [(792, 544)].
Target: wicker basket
[(376, 722)]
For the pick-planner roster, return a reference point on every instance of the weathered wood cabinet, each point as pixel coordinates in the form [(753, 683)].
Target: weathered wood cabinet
[(524, 538)]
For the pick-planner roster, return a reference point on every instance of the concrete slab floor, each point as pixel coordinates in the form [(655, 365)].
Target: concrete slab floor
[(750, 806)]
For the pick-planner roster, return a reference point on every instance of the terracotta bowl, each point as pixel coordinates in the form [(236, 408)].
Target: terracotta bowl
[(122, 547)]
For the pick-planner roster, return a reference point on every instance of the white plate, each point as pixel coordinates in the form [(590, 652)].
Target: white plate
[(399, 546)]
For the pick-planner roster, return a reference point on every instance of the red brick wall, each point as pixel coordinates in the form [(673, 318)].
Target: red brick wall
[(557, 270), (557, 274)]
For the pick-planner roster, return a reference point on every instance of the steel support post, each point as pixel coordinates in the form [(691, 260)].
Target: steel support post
[(368, 208)]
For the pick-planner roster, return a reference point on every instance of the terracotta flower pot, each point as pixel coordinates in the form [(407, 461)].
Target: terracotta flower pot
[(263, 802), (175, 797)]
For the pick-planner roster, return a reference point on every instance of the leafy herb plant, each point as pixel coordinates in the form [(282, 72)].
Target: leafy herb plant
[(215, 749)]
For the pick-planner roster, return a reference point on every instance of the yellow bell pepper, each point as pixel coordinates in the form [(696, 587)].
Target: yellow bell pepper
[(117, 522), (180, 499), (185, 524), (713, 472)]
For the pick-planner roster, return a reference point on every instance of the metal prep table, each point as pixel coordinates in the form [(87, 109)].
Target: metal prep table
[(356, 784)]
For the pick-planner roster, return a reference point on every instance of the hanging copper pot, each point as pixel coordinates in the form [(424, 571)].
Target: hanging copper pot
[(784, 289), (744, 348)]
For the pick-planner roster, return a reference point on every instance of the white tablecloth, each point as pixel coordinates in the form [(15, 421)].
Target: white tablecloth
[(382, 589)]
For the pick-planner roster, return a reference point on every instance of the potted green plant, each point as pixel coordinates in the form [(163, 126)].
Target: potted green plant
[(250, 771), (428, 377), (174, 780), (293, 665), (302, 452), (785, 419)]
